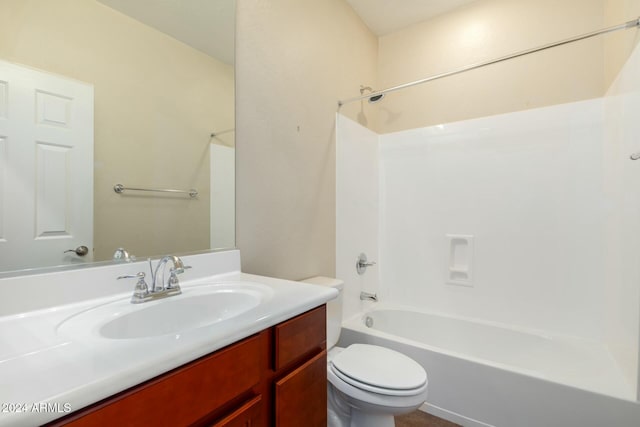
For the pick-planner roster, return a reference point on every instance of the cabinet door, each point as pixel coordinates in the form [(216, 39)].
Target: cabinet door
[(301, 336), (248, 415), (183, 396), (301, 396)]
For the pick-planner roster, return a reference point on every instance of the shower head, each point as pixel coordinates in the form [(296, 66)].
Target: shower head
[(376, 98), (373, 99)]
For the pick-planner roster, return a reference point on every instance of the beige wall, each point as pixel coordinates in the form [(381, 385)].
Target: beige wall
[(156, 103), (295, 59), (481, 31), (618, 46)]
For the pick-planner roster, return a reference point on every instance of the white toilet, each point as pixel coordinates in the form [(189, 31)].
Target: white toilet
[(367, 384)]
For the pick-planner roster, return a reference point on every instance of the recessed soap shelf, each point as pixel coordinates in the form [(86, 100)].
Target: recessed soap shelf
[(459, 260)]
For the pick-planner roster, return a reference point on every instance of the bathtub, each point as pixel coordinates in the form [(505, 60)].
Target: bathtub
[(487, 374)]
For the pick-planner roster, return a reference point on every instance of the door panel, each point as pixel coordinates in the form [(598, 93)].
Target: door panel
[(46, 156), (52, 190)]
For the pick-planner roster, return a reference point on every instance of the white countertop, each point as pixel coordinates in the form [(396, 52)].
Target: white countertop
[(39, 365)]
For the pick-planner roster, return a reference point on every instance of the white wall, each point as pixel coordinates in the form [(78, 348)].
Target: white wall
[(357, 210), (223, 185), (621, 180), (527, 186)]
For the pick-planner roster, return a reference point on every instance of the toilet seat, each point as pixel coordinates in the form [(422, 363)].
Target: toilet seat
[(379, 390), (379, 370)]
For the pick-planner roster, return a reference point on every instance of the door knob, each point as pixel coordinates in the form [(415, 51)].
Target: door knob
[(80, 250)]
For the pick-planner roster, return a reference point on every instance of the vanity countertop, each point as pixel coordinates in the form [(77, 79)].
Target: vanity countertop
[(45, 374)]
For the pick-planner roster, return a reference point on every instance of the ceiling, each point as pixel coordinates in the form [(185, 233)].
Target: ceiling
[(386, 16), (206, 25)]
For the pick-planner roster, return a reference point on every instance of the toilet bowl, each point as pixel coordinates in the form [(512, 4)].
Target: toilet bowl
[(367, 385)]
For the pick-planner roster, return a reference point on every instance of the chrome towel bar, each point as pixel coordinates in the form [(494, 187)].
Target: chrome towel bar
[(119, 188)]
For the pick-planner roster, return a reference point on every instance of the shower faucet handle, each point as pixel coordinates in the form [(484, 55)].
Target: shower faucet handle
[(362, 263)]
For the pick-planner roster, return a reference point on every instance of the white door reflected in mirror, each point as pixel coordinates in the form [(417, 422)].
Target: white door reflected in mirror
[(46, 168)]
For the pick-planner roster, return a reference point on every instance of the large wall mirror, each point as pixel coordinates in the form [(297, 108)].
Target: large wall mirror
[(95, 93)]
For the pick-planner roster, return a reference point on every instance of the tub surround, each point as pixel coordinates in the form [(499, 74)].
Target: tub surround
[(567, 360), (467, 389), (548, 197), (40, 365)]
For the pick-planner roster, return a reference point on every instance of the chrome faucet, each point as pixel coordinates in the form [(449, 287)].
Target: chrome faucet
[(121, 255), (178, 268), (158, 289)]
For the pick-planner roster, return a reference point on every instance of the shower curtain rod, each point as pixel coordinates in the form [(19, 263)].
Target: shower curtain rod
[(626, 25)]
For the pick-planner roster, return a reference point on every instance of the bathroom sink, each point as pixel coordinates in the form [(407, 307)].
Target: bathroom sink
[(171, 316), (197, 307)]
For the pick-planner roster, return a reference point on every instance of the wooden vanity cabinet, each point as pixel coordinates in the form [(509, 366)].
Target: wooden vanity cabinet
[(301, 395), (274, 378), (300, 370), (248, 415)]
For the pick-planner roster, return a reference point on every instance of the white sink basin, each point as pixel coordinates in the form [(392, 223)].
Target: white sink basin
[(197, 306)]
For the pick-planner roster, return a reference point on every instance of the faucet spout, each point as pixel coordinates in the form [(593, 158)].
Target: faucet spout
[(178, 267)]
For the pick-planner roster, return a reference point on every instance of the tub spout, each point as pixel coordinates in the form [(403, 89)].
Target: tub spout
[(366, 296)]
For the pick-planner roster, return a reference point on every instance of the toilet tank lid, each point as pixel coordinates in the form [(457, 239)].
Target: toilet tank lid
[(325, 281)]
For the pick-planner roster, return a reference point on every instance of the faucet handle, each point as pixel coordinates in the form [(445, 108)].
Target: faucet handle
[(173, 282), (179, 270), (139, 275), (362, 263), (141, 290)]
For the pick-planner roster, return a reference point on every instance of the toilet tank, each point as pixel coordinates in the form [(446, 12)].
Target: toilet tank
[(334, 307)]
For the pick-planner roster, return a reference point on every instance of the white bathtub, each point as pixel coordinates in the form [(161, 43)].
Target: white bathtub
[(486, 374)]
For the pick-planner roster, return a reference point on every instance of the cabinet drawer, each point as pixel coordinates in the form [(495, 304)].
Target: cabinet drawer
[(301, 396), (299, 336), (185, 395), (248, 415)]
